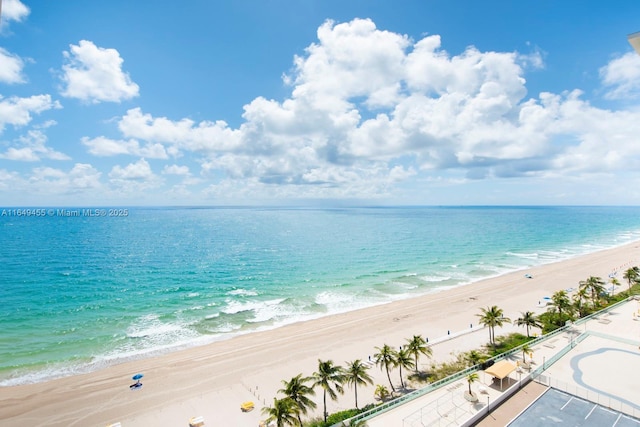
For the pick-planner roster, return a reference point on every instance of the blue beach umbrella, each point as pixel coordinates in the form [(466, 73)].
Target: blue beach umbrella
[(137, 377)]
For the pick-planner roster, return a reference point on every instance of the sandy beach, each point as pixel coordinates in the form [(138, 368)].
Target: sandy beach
[(213, 380)]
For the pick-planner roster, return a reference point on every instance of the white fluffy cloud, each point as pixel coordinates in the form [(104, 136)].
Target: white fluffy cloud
[(102, 147), (134, 179), (14, 10), (82, 177), (351, 60), (32, 147), (141, 171), (371, 109), (18, 111), (94, 74), (622, 77), (9, 179), (184, 134), (176, 170), (10, 67)]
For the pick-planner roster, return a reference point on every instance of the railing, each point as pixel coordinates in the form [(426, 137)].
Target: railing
[(406, 398), (445, 411), (452, 378)]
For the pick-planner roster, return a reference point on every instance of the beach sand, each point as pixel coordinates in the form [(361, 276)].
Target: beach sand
[(213, 380)]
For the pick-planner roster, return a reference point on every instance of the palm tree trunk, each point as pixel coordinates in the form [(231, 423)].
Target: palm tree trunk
[(401, 382), (493, 335), (389, 377), (325, 406), (355, 388)]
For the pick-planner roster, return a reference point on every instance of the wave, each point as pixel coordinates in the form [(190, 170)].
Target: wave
[(435, 279), (200, 298), (243, 292)]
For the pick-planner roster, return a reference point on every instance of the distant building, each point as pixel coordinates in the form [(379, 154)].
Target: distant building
[(634, 40)]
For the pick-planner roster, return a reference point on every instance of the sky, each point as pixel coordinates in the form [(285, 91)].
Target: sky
[(319, 102)]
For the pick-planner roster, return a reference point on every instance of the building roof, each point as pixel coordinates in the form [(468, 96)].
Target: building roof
[(634, 40), (501, 369)]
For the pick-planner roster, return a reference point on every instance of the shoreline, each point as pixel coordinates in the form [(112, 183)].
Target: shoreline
[(104, 361), (212, 380)]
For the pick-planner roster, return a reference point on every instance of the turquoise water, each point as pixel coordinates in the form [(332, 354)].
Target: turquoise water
[(79, 293)]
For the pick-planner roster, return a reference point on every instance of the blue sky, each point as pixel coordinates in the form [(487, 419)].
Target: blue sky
[(319, 102)]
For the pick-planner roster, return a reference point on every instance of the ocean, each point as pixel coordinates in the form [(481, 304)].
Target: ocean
[(82, 289)]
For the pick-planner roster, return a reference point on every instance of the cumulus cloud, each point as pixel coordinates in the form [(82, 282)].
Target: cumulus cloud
[(134, 179), (351, 60), (82, 177), (183, 134), (621, 77), (32, 147), (9, 179), (370, 109), (94, 74), (103, 147), (176, 170), (18, 111), (141, 170), (13, 10), (10, 67)]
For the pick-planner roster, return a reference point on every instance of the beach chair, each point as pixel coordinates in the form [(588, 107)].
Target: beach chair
[(114, 425), (247, 406), (196, 422)]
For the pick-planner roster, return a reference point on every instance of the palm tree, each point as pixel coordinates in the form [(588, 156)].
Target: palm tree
[(529, 320), (474, 357), (560, 300), (471, 378), (579, 299), (329, 376), (492, 317), (283, 412), (631, 275), (403, 360), (614, 283), (356, 373), (595, 286), (385, 357), (417, 346), (525, 349), (381, 392), (298, 391)]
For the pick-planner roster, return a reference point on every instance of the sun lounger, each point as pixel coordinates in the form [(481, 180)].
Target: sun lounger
[(247, 406), (115, 425), (196, 422)]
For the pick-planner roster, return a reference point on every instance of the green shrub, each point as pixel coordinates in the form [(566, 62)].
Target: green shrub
[(338, 416), (504, 343)]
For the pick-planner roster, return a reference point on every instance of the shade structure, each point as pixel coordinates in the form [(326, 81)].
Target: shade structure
[(137, 376), (634, 40), (501, 370)]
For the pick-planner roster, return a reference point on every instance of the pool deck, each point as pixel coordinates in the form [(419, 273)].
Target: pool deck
[(596, 369)]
